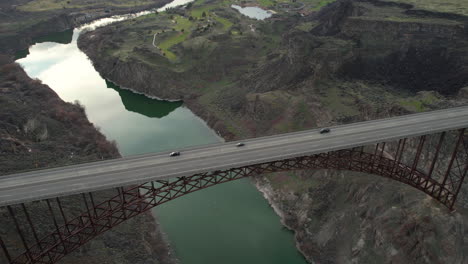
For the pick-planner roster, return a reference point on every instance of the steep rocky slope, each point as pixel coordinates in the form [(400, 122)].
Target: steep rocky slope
[(39, 130), (359, 60)]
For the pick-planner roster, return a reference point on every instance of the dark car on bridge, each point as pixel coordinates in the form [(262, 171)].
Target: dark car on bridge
[(174, 153), (324, 130)]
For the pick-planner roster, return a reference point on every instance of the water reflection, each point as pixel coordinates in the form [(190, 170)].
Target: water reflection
[(64, 37), (137, 123), (230, 223), (141, 104)]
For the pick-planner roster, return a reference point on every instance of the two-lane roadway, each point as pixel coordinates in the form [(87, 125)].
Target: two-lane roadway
[(49, 183)]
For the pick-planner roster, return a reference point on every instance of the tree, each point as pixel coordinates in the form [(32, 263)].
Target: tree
[(203, 14)]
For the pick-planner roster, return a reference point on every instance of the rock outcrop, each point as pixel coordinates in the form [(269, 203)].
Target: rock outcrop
[(39, 130)]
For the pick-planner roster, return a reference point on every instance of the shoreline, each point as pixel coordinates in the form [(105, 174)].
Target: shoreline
[(58, 23), (220, 129), (265, 188)]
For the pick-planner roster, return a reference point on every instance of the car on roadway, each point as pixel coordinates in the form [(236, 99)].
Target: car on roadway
[(240, 144), (174, 153), (324, 130)]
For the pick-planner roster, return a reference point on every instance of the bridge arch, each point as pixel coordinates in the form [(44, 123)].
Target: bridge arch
[(136, 200)]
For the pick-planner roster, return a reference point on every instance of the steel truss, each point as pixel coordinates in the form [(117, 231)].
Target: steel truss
[(132, 201)]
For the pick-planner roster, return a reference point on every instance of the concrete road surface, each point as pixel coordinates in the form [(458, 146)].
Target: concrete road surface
[(49, 183)]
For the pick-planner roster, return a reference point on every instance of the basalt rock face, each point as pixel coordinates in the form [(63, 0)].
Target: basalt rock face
[(363, 60), (39, 130), (415, 55), (373, 41), (343, 217)]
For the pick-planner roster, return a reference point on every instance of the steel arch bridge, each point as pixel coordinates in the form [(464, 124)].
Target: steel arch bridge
[(435, 164)]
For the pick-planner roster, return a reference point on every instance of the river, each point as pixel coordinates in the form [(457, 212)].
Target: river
[(227, 223)]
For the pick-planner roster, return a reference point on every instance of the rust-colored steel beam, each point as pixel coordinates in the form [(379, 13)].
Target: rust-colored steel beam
[(459, 186), (463, 172), (395, 158), (20, 233), (91, 198), (134, 200), (402, 150), (63, 214), (31, 225), (5, 251), (136, 203), (58, 232), (449, 168), (422, 139), (436, 155)]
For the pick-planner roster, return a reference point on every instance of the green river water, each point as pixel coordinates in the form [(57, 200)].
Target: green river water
[(229, 223)]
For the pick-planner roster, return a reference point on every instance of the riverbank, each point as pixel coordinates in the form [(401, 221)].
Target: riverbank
[(39, 130), (307, 79), (27, 23)]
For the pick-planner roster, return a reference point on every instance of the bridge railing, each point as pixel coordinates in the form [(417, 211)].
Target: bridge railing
[(435, 164)]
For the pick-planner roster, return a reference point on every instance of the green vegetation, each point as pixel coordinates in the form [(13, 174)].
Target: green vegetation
[(321, 4), (171, 41), (198, 12), (266, 3), (420, 103), (306, 26), (178, 34), (226, 23)]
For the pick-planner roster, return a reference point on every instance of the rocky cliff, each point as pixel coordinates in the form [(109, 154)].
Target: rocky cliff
[(39, 130)]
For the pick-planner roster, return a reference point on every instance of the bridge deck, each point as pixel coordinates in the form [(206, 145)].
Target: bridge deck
[(49, 183)]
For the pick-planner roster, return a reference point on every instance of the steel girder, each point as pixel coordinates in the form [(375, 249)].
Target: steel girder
[(134, 200)]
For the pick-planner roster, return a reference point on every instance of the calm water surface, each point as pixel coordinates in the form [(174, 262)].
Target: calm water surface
[(253, 12), (228, 223)]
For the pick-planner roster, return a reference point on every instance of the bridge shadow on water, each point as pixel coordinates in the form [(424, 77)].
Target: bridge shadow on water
[(144, 105)]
